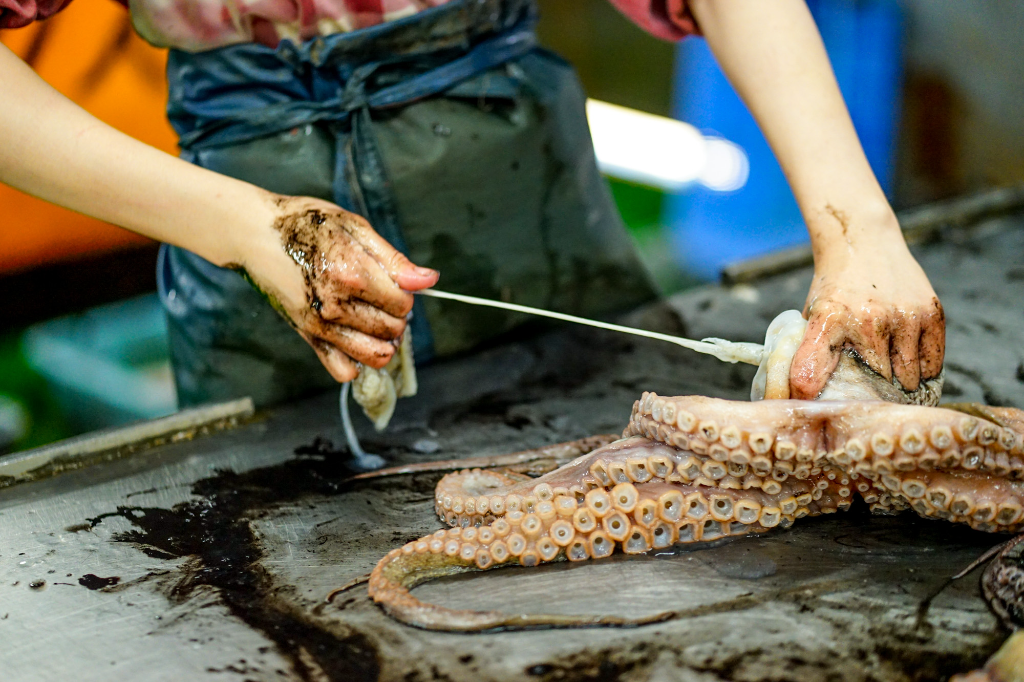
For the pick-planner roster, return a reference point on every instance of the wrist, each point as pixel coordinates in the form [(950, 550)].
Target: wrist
[(247, 229), (843, 230)]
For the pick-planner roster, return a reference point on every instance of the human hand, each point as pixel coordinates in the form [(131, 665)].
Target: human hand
[(876, 300), (342, 287)]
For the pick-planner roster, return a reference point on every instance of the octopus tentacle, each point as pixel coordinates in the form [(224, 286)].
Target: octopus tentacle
[(893, 455), (695, 469), (1006, 417), (474, 497), (528, 461), (633, 517), (402, 569)]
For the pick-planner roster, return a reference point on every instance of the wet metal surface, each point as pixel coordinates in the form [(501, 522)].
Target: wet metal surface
[(210, 559)]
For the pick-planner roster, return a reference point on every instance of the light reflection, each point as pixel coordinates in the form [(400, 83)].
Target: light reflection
[(662, 152)]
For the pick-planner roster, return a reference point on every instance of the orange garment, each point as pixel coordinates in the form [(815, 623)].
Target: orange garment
[(120, 78), (117, 77)]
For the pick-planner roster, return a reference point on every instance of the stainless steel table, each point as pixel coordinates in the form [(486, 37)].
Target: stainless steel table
[(210, 557)]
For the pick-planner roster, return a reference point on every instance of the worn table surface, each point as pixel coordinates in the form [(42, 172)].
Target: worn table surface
[(210, 559)]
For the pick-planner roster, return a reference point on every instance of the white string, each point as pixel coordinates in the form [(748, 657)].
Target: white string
[(726, 351), (363, 460)]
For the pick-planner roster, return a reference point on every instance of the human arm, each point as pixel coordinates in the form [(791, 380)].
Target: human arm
[(868, 291), (342, 286)]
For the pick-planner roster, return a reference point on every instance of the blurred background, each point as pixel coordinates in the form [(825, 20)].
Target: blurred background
[(934, 88)]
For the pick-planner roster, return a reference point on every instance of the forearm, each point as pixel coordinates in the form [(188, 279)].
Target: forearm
[(58, 152), (774, 57)]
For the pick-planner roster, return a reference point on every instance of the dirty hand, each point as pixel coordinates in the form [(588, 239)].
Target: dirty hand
[(876, 300), (340, 284)]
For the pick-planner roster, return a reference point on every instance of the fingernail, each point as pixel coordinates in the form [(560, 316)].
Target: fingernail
[(426, 272)]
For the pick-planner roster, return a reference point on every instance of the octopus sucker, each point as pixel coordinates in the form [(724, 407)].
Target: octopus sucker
[(846, 434), (727, 469), (529, 539), (692, 469)]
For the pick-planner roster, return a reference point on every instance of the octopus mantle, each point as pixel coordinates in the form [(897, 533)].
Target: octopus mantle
[(695, 469)]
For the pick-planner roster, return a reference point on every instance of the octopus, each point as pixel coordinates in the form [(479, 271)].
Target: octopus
[(377, 391), (694, 469)]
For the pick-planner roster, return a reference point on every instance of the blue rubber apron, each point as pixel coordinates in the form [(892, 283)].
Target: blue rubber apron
[(335, 117)]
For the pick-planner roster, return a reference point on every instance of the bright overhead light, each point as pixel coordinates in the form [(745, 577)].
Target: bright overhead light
[(727, 166), (662, 152)]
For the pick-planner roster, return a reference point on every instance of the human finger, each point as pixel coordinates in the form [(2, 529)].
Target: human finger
[(817, 356), (903, 351), (932, 348), (362, 317), (341, 368), (404, 272), (356, 274), (870, 339), (360, 347)]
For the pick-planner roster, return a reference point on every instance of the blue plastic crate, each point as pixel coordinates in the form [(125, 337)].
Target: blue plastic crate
[(710, 229)]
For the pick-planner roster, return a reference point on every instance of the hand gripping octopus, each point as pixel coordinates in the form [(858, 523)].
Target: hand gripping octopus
[(694, 469)]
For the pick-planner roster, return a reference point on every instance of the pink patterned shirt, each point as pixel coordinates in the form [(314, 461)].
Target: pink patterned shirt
[(196, 25)]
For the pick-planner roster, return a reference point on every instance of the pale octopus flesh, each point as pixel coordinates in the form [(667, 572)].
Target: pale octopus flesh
[(694, 469)]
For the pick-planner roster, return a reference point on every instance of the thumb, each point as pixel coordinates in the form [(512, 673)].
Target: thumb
[(816, 358)]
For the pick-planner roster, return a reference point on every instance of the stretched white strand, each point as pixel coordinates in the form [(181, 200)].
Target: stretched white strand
[(726, 351)]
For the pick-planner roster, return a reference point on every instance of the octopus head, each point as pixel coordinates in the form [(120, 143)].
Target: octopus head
[(851, 380)]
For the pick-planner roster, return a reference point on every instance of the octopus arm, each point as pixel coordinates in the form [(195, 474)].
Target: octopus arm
[(692, 469), (501, 520), (401, 571), (537, 461)]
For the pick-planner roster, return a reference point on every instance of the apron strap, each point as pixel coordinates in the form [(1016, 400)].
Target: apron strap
[(241, 93)]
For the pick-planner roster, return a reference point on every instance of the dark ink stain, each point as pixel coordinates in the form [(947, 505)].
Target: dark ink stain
[(213, 532), (303, 237), (590, 666), (327, 247), (841, 217), (140, 492), (37, 584), (91, 581)]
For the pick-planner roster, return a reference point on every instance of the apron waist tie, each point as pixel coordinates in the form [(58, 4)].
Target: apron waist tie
[(240, 93)]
